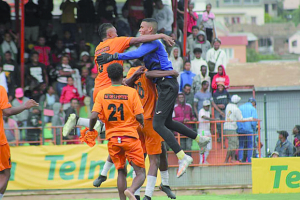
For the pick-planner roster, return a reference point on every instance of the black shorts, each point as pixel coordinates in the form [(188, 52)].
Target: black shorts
[(167, 89)]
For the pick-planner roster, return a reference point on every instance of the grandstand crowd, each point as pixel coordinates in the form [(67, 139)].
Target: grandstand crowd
[(60, 69)]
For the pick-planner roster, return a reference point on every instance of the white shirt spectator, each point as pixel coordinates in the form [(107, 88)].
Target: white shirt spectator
[(218, 57), (203, 126), (196, 65), (164, 18)]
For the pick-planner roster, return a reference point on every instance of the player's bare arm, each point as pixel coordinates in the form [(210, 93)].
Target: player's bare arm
[(130, 81), (93, 120), (140, 119), (158, 74), (148, 38), (16, 110)]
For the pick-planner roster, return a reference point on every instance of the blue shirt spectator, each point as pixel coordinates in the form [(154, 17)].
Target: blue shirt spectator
[(186, 77)]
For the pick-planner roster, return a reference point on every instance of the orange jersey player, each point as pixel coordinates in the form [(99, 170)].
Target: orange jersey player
[(5, 162), (121, 110)]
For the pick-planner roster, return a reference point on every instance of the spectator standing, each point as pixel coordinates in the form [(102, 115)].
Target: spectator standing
[(107, 11), (220, 77), (215, 57), (45, 16), (204, 129), (176, 59), (57, 120), (12, 72), (9, 45), (200, 96), (189, 96), (183, 113), (136, 14), (283, 146), (5, 18), (85, 18), (192, 18), (36, 70), (44, 51), (64, 70), (34, 120), (191, 39), (208, 22), (232, 114), (197, 62), (248, 110), (3, 81), (68, 92), (296, 133), (199, 78), (122, 25), (48, 100), (202, 43), (31, 21), (68, 17), (22, 117), (186, 77), (221, 98), (164, 17)]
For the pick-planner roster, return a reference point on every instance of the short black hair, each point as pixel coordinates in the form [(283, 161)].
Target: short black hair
[(102, 30), (204, 82), (297, 127), (285, 134), (74, 99), (153, 22), (199, 50), (34, 53), (187, 85), (115, 71), (9, 52), (195, 27), (203, 66), (70, 77)]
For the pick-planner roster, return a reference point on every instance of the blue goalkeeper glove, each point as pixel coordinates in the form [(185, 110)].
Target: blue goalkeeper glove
[(106, 58)]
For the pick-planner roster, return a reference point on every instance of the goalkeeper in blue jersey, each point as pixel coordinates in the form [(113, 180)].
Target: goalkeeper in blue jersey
[(156, 58)]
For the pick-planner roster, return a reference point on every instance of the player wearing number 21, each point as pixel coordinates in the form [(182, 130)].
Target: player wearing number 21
[(120, 108)]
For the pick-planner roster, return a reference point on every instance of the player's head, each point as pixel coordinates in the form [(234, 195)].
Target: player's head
[(148, 26), (115, 72), (107, 30)]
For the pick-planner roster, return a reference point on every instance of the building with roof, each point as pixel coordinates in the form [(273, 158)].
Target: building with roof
[(271, 7), (294, 43), (252, 39), (291, 4), (235, 48)]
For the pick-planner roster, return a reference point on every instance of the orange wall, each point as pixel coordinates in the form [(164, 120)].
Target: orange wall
[(239, 53)]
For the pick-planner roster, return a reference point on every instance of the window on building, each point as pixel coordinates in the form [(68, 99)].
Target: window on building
[(251, 1), (265, 42), (253, 20), (226, 20), (232, 1), (218, 3), (266, 8), (274, 6), (229, 53), (235, 20), (294, 43)]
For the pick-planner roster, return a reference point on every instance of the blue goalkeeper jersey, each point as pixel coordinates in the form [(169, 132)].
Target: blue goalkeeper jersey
[(155, 56)]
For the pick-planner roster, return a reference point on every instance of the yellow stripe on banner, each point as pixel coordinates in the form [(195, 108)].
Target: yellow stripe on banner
[(61, 167), (276, 175)]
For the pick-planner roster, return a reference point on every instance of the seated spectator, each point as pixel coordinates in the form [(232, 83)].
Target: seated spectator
[(12, 72), (58, 52), (189, 96), (31, 21), (9, 45), (164, 17), (11, 129), (85, 18), (51, 36), (47, 101), (200, 97), (202, 43), (183, 113), (68, 92), (190, 41), (34, 120), (73, 109), (215, 57), (176, 59), (36, 70), (177, 44), (248, 110), (198, 80), (84, 74), (283, 146), (221, 98), (85, 61), (107, 11), (208, 22), (43, 51), (64, 70), (296, 133), (38, 91), (204, 128), (186, 77), (57, 120), (3, 81), (69, 43), (275, 154), (197, 62), (22, 117), (220, 77), (83, 47)]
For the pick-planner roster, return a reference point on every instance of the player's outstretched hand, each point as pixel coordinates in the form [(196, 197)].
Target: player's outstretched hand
[(106, 58), (31, 103), (169, 40)]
